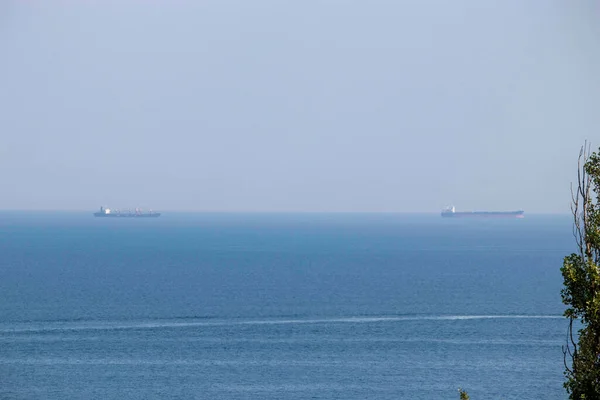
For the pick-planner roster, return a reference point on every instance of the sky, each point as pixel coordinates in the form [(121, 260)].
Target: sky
[(296, 106)]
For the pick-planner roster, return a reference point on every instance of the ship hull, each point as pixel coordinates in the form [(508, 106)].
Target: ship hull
[(103, 215), (484, 214)]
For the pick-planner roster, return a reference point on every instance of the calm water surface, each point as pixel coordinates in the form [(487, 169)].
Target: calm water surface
[(276, 306)]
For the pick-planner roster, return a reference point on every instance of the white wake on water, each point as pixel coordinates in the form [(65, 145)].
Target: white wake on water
[(40, 327)]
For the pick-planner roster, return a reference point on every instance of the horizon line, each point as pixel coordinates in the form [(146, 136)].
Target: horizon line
[(196, 211)]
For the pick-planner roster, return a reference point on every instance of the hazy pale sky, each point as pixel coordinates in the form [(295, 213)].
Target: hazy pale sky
[(271, 105)]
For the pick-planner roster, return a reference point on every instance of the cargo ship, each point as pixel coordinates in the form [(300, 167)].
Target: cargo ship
[(137, 213), (450, 212)]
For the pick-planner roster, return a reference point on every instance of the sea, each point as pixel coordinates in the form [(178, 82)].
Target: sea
[(281, 306)]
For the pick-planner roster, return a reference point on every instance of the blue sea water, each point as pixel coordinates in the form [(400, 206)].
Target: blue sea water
[(281, 306)]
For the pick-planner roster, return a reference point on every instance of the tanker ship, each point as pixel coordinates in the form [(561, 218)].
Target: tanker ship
[(450, 212), (137, 213)]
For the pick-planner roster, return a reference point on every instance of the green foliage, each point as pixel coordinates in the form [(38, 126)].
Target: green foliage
[(581, 279), (463, 394)]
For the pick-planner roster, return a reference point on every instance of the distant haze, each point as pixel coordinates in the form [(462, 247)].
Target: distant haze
[(339, 105)]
